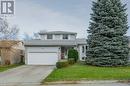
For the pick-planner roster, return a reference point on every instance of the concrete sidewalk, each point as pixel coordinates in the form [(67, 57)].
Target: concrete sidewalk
[(88, 83), (99, 84)]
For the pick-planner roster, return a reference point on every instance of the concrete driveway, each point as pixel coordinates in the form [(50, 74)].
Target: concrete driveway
[(25, 75)]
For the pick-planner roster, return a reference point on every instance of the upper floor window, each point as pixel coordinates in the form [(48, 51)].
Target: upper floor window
[(49, 36), (82, 49), (65, 36)]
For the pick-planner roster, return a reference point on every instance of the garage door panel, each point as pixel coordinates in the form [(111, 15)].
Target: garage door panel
[(42, 58)]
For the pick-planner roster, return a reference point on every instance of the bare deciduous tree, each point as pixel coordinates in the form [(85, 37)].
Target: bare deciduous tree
[(7, 32), (27, 37)]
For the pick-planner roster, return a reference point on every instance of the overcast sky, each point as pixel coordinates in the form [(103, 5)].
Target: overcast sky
[(54, 15)]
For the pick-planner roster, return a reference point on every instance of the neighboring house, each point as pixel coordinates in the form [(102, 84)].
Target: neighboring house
[(53, 46), (11, 52)]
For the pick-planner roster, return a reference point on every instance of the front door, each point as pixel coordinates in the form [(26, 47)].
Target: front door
[(62, 52)]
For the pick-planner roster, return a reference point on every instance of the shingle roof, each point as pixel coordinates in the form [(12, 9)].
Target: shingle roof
[(56, 32), (55, 42), (50, 42)]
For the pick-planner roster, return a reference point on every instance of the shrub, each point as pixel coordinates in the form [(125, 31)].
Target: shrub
[(62, 64), (71, 61), (73, 54)]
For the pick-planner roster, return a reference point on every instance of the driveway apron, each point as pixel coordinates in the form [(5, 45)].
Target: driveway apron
[(25, 75)]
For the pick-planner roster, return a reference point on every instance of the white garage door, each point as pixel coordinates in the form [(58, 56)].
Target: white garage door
[(42, 58)]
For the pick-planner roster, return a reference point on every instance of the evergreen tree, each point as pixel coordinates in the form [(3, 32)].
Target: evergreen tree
[(107, 43)]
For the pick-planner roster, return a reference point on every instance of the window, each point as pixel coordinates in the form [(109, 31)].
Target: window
[(82, 49), (86, 47), (65, 36), (49, 36), (86, 50), (83, 58)]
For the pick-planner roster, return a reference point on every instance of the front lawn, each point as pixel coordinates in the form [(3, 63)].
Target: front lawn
[(6, 67), (84, 72)]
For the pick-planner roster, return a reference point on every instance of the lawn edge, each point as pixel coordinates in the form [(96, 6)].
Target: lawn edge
[(86, 82), (15, 66)]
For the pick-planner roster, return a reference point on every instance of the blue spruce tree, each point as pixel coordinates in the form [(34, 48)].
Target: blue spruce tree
[(107, 43)]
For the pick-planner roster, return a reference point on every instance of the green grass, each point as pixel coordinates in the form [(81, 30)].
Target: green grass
[(85, 72), (6, 67)]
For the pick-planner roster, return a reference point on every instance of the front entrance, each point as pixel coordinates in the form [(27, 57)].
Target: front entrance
[(64, 52)]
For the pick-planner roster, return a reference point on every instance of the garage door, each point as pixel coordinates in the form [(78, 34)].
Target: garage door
[(42, 58)]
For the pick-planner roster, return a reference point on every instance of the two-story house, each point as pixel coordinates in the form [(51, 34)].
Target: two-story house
[(52, 47)]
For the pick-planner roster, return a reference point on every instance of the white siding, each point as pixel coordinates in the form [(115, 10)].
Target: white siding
[(43, 49), (81, 54), (57, 37), (43, 37), (72, 37)]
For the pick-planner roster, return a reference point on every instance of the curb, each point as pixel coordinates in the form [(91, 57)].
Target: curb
[(83, 82)]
